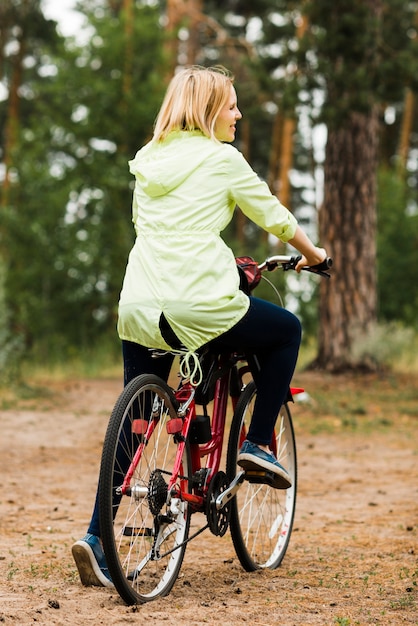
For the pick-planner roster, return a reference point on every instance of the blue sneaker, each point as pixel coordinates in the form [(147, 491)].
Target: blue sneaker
[(91, 562), (254, 460)]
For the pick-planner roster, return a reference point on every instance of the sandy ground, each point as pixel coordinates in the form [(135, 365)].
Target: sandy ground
[(352, 559)]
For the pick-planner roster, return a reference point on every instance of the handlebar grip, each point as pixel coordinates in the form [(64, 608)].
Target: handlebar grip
[(320, 268), (290, 262), (324, 265)]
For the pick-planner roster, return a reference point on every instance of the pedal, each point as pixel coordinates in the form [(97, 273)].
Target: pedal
[(130, 531), (264, 477), (259, 476)]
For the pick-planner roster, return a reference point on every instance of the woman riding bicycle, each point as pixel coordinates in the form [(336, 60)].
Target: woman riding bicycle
[(181, 279)]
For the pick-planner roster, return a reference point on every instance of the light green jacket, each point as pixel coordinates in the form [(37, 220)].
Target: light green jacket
[(186, 190)]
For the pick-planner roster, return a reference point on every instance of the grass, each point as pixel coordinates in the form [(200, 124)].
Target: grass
[(357, 402), (37, 376), (366, 402), (394, 349), (334, 403), (100, 364), (105, 361)]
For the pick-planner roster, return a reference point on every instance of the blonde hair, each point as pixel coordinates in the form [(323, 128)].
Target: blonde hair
[(193, 101)]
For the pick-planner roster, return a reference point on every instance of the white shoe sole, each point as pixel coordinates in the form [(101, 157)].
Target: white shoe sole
[(88, 568)]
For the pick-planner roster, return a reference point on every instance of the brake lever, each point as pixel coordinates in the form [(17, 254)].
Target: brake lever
[(271, 265), (291, 264), (317, 272)]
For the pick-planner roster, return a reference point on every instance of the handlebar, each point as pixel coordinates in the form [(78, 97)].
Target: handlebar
[(290, 262)]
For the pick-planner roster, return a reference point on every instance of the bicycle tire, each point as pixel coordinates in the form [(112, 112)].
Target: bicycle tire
[(143, 559), (261, 516)]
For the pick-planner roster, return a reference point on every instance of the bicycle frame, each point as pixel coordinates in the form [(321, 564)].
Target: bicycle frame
[(180, 426), (212, 450)]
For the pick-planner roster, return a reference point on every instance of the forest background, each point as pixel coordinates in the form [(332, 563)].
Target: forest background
[(328, 92)]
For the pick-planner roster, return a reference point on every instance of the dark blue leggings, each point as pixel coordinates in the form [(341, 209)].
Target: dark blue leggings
[(273, 336), (267, 331)]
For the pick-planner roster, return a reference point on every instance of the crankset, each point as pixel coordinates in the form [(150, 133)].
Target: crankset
[(218, 518)]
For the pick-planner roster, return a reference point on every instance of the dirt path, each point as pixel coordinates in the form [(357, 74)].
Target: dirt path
[(353, 556)]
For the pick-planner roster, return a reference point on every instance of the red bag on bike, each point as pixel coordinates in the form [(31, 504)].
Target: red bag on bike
[(249, 273)]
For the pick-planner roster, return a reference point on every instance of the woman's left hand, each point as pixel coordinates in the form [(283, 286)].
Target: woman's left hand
[(317, 256)]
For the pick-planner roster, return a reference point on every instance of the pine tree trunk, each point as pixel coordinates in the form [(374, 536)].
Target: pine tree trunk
[(194, 10), (347, 224), (128, 9), (174, 12), (240, 219), (12, 121), (286, 161), (406, 129)]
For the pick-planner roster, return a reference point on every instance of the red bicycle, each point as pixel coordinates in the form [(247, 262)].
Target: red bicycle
[(161, 464)]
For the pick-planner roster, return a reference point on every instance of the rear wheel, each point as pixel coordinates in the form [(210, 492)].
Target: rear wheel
[(261, 516), (142, 529)]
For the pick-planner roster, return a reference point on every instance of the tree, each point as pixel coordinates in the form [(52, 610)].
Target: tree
[(348, 45), (90, 109), (24, 33), (269, 87), (397, 243), (22, 30), (74, 114)]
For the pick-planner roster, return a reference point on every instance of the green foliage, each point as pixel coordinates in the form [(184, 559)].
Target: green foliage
[(397, 250), (67, 229), (358, 55), (86, 108)]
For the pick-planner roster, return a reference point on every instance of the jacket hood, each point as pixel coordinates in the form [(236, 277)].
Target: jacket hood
[(160, 167)]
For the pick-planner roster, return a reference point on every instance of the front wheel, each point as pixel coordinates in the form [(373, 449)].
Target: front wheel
[(261, 516), (143, 529)]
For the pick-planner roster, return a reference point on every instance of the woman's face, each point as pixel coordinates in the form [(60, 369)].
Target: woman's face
[(226, 120)]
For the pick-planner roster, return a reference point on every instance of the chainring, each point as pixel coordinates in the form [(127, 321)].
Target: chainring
[(218, 520)]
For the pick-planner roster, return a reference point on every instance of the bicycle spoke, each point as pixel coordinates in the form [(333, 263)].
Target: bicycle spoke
[(261, 516), (144, 536)]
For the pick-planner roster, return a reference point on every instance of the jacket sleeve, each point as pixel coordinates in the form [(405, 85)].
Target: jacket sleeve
[(255, 199)]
